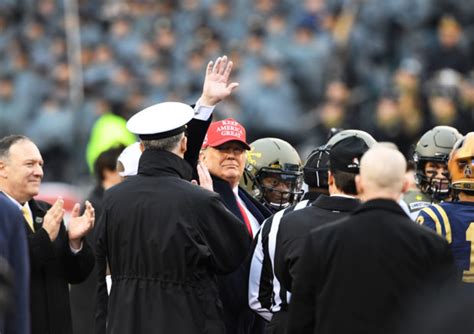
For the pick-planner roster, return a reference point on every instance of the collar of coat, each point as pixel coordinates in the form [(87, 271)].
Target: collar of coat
[(381, 204), (336, 203), (164, 163)]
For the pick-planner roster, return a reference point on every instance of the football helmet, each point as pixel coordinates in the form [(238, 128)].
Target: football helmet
[(273, 173), (369, 140), (434, 146), (315, 171), (461, 164)]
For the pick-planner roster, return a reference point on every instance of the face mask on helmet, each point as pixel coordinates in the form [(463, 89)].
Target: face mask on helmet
[(461, 164), (433, 179), (279, 188), (431, 157), (273, 173)]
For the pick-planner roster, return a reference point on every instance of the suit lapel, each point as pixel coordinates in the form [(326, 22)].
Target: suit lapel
[(38, 215), (251, 206)]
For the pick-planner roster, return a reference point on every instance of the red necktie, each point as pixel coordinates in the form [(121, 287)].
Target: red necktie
[(246, 218)]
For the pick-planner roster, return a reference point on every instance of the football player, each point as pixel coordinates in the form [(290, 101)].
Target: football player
[(273, 173), (455, 220), (431, 171)]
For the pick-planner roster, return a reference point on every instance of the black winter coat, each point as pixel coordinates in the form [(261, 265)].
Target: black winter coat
[(165, 240), (365, 272)]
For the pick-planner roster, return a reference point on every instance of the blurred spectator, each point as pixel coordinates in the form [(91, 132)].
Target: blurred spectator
[(388, 125), (443, 96), (270, 105), (467, 99), (53, 120), (10, 107), (449, 50), (108, 131)]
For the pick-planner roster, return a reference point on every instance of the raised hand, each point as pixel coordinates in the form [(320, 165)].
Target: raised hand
[(79, 226), (205, 179), (216, 86), (53, 219)]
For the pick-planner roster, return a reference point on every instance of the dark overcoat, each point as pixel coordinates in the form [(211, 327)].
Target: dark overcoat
[(165, 240), (364, 273)]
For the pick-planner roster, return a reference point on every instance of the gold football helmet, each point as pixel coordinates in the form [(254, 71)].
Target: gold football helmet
[(461, 164)]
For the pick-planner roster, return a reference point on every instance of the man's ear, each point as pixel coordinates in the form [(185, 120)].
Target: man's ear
[(142, 147), (359, 187), (183, 144), (330, 178), (406, 185), (3, 169)]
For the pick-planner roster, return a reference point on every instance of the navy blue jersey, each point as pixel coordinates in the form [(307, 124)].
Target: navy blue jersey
[(454, 221)]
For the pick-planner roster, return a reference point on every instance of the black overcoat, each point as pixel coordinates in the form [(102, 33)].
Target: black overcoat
[(165, 240), (364, 273)]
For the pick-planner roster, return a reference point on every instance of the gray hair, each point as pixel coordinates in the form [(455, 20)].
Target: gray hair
[(7, 142), (165, 144)]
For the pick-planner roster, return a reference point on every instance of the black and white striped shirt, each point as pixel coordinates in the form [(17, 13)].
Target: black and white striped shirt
[(266, 295)]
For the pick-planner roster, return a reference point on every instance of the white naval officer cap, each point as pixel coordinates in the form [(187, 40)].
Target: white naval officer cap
[(161, 120), (129, 159)]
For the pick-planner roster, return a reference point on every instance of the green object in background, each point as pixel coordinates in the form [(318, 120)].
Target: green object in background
[(108, 131)]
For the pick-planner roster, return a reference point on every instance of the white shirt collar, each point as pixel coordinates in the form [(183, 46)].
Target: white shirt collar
[(18, 204), (342, 195), (236, 191)]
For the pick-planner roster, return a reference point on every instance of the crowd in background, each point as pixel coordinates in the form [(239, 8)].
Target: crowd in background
[(393, 68)]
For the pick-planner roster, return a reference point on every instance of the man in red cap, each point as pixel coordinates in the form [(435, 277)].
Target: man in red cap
[(224, 154)]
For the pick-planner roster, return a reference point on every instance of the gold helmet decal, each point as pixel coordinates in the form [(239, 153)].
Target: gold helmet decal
[(461, 163)]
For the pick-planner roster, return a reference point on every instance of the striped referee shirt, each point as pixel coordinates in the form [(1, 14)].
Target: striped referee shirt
[(266, 295)]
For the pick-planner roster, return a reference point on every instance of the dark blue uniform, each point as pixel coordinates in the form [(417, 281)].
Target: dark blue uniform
[(454, 221), (14, 248)]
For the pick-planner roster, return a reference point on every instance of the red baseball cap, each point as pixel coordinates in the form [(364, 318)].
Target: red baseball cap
[(224, 131)]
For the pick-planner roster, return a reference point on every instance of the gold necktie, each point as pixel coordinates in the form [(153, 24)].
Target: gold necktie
[(27, 215)]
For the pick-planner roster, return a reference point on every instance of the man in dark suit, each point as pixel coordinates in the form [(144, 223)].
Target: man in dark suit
[(224, 154), (363, 273), (57, 256), (14, 251)]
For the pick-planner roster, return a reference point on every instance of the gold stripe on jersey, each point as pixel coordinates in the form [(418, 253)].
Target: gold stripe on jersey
[(446, 223), (468, 275), (433, 216)]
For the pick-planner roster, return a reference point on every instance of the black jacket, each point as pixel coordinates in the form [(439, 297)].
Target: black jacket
[(85, 295), (165, 240), (233, 288), (53, 268), (293, 230), (295, 227), (360, 274)]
